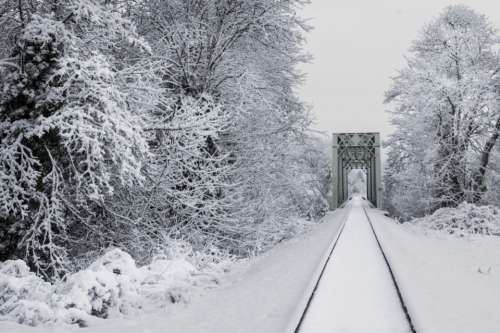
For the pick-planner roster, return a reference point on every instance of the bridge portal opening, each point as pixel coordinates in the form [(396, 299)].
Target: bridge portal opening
[(351, 152), (356, 183)]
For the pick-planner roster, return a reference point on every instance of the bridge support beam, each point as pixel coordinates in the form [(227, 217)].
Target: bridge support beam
[(335, 180), (378, 173)]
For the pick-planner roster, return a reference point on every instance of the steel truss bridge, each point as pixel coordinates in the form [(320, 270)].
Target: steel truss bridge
[(356, 151)]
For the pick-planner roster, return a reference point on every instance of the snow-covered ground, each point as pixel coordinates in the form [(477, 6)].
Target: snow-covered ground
[(356, 293), (449, 284), (266, 296)]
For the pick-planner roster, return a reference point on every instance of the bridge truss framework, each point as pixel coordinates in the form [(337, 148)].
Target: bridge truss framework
[(356, 151)]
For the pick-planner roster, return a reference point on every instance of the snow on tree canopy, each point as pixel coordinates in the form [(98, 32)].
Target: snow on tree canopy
[(168, 129), (70, 131), (444, 106)]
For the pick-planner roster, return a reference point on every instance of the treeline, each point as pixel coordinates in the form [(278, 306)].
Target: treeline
[(131, 124), (445, 106)]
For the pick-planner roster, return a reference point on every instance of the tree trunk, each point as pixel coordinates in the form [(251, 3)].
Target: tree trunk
[(449, 167), (479, 184)]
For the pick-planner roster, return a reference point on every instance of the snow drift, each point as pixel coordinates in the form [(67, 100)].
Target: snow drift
[(466, 219), (112, 286)]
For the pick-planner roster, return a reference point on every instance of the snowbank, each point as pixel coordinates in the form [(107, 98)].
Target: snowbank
[(24, 297), (466, 219), (261, 295), (450, 284), (111, 287)]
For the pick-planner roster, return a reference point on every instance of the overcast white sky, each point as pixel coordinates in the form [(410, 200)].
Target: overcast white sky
[(357, 46)]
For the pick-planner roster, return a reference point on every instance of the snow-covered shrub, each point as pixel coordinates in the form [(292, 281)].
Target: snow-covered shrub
[(466, 219), (276, 230), (177, 267), (212, 259), (167, 281), (109, 287), (24, 297)]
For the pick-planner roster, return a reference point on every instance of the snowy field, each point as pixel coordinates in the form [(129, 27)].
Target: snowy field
[(449, 284)]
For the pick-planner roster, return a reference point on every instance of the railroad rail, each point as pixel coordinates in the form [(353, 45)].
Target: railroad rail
[(331, 256), (393, 277)]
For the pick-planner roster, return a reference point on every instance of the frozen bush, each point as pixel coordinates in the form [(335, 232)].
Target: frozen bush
[(111, 286), (167, 281), (207, 259), (213, 260), (108, 287), (23, 295), (177, 268), (275, 230), (32, 313), (466, 219)]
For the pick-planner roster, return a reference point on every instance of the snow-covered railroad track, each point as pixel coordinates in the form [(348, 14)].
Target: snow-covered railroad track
[(356, 291), (316, 284), (391, 271)]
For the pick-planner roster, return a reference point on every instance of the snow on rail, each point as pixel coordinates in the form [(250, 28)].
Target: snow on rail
[(356, 293), (313, 286), (393, 277)]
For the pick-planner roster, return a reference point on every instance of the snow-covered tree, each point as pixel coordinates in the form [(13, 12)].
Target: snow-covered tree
[(445, 108), (70, 130), (186, 127), (243, 55)]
